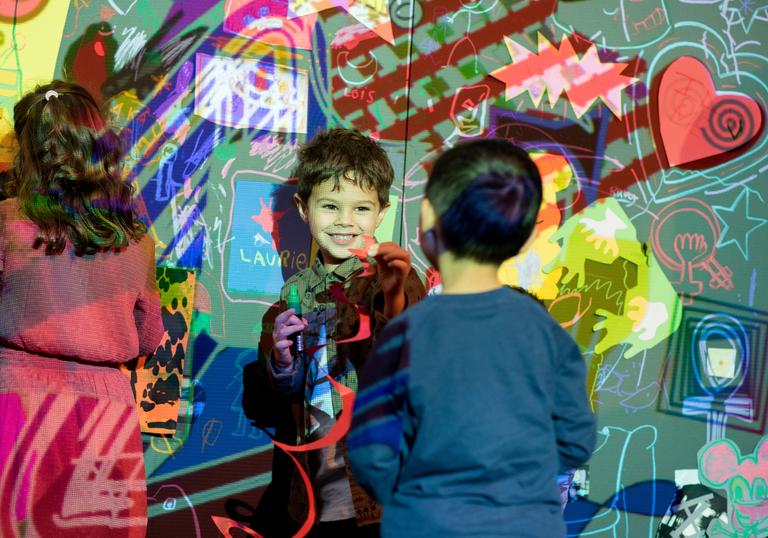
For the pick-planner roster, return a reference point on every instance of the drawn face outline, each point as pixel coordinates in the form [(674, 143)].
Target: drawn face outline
[(745, 478)]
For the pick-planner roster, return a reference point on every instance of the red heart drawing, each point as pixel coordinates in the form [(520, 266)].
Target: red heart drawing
[(695, 121)]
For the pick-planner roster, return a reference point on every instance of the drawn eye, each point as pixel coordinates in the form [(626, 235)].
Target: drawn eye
[(739, 489), (760, 489)]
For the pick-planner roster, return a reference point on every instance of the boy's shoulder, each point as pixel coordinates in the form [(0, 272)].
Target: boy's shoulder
[(534, 311), (358, 287), (516, 299), (299, 276), (300, 279), (530, 307)]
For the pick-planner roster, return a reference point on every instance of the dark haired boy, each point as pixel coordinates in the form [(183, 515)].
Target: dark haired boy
[(474, 399), (344, 180)]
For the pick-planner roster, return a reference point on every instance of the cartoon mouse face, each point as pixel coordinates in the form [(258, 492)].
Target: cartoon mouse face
[(744, 478)]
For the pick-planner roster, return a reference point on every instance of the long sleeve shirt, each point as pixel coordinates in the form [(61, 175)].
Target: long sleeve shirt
[(332, 320), (99, 308), (467, 409)]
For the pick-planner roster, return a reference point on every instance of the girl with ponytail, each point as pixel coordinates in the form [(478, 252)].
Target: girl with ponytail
[(78, 297)]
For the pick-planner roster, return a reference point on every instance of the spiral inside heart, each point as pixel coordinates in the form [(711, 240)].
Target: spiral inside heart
[(695, 121)]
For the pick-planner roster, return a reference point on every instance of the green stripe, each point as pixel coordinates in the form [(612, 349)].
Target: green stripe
[(207, 464)]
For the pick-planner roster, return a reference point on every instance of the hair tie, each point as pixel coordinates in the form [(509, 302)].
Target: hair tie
[(51, 93)]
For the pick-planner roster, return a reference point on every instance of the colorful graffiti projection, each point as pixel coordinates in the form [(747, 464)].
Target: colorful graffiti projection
[(646, 119)]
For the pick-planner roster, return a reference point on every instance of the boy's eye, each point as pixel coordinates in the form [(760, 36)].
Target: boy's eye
[(363, 208), (328, 206)]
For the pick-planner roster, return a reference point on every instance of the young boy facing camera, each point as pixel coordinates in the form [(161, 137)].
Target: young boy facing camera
[(344, 180), (473, 400)]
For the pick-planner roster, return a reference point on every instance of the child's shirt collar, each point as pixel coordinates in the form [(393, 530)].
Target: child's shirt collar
[(343, 271)]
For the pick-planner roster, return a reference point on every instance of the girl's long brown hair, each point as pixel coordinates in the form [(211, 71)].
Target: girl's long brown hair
[(66, 172)]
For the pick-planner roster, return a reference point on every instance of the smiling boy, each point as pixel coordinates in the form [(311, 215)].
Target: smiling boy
[(344, 180)]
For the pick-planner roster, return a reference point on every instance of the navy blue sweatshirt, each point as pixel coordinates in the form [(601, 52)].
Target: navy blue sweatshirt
[(467, 410)]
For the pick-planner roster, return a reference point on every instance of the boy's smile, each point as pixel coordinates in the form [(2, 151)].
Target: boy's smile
[(339, 219)]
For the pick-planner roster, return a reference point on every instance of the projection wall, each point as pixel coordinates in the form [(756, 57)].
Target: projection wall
[(645, 117)]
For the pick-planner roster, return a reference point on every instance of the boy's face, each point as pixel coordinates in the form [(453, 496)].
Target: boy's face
[(338, 219)]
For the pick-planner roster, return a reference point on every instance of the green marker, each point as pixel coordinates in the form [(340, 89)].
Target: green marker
[(294, 301)]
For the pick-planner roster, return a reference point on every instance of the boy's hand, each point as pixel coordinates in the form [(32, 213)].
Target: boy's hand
[(393, 264), (287, 323)]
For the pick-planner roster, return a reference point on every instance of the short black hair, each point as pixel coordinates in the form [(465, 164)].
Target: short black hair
[(344, 153), (486, 194)]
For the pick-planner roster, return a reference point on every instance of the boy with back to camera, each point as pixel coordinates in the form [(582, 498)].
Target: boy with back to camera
[(344, 180), (473, 400)]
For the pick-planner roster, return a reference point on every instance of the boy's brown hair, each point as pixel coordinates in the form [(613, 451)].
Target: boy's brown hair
[(344, 153)]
